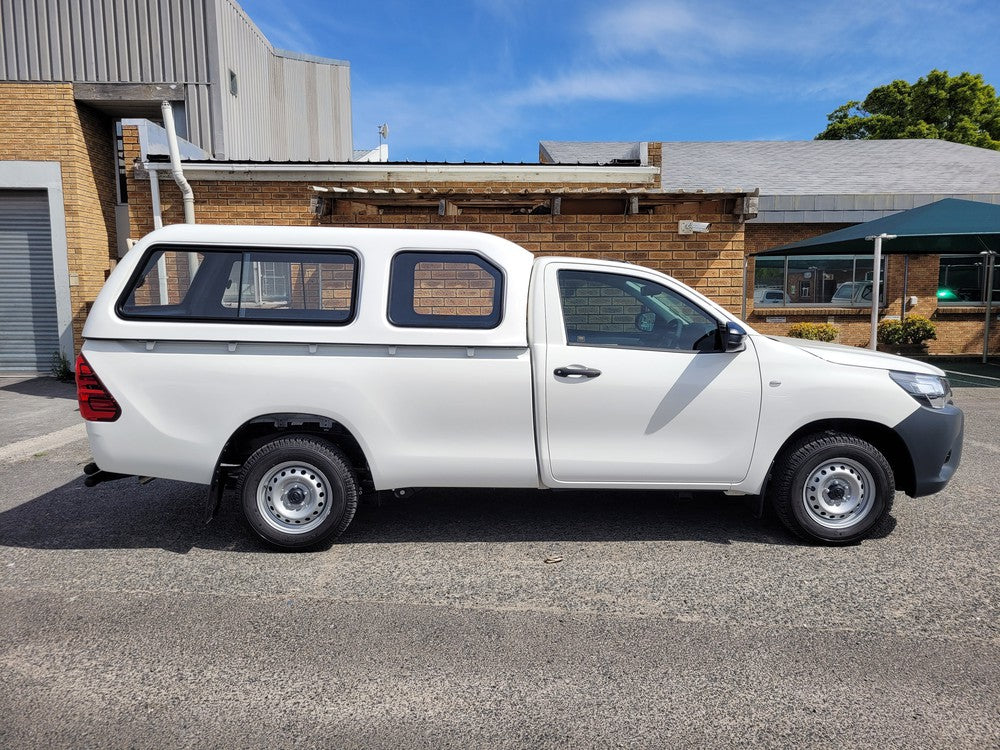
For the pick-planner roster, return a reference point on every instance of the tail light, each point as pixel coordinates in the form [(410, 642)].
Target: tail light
[(96, 402)]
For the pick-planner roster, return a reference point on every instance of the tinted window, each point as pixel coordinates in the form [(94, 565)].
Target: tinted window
[(288, 286), (444, 290), (962, 280), (606, 309), (293, 286), (836, 280)]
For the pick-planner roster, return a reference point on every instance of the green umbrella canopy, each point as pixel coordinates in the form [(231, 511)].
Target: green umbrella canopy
[(948, 226)]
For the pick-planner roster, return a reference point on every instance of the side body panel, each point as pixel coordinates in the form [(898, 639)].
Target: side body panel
[(653, 417), (800, 389), (424, 416), (429, 406)]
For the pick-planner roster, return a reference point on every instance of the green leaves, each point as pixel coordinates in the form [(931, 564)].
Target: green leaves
[(962, 109), (914, 330), (814, 331)]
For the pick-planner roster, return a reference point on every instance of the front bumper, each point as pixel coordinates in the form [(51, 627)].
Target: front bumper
[(934, 439)]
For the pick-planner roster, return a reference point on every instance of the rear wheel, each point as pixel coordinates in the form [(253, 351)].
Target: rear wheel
[(298, 492), (833, 488)]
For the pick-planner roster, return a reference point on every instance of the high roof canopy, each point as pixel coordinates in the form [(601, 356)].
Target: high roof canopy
[(949, 226)]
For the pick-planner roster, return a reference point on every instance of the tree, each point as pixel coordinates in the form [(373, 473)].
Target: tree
[(962, 108)]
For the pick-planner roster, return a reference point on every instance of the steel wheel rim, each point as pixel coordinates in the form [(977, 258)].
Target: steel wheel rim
[(838, 493), (294, 497)]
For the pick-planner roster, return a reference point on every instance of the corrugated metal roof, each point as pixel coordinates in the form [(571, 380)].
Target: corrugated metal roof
[(155, 157), (358, 190)]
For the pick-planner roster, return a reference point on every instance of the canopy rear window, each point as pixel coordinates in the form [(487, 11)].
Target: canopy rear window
[(234, 285)]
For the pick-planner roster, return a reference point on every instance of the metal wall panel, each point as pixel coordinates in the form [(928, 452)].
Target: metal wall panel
[(29, 328), (279, 111), (110, 41), (104, 41), (286, 108)]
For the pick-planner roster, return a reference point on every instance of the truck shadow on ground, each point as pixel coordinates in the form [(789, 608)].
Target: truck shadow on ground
[(170, 516), (42, 387)]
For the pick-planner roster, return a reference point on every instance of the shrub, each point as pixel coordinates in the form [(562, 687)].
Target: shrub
[(917, 329), (60, 368), (890, 332), (813, 331), (912, 331)]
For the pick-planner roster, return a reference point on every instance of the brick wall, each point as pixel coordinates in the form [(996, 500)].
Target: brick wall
[(41, 122), (959, 330)]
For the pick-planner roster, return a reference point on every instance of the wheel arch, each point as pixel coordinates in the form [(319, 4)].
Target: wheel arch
[(882, 437), (255, 432)]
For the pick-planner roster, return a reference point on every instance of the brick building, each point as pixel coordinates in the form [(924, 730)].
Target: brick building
[(615, 211), (77, 179), (808, 188), (69, 74)]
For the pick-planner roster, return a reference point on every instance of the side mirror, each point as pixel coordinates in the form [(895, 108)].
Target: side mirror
[(733, 336), (645, 321)]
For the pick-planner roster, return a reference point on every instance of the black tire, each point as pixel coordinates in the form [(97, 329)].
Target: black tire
[(832, 488), (298, 492)]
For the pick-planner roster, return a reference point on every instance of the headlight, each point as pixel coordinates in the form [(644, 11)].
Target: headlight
[(929, 390)]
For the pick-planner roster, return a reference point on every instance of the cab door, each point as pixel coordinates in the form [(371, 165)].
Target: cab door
[(636, 389)]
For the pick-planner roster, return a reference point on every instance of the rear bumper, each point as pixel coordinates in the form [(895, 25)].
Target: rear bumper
[(934, 439)]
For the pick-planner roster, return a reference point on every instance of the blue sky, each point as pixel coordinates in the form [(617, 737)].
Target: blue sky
[(485, 80)]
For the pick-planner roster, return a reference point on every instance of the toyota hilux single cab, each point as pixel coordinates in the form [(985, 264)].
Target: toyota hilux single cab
[(309, 366)]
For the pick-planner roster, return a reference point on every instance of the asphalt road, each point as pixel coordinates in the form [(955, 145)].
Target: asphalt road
[(436, 623)]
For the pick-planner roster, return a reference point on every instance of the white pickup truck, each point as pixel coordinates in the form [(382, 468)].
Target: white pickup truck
[(309, 366)]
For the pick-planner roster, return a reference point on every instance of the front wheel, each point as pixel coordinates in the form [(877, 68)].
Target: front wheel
[(833, 488), (298, 492)]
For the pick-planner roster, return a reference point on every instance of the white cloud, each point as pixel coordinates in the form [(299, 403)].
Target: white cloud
[(713, 30), (726, 59)]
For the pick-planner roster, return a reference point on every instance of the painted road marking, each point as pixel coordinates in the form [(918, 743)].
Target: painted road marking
[(970, 375), (27, 448), (991, 447)]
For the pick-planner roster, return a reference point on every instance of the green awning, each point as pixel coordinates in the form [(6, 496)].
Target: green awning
[(948, 227)]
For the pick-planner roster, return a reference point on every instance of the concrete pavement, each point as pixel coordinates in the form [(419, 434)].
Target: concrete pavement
[(437, 623)]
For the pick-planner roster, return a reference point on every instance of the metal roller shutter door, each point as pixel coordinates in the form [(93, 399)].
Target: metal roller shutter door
[(29, 332)]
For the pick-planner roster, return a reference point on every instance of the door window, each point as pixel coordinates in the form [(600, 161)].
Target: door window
[(607, 309)]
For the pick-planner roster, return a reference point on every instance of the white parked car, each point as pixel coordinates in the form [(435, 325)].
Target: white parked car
[(765, 296), (853, 293), (309, 366)]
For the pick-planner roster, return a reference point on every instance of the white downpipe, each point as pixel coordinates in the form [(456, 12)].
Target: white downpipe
[(187, 194), (154, 194), (161, 264), (876, 283), (175, 162), (990, 263)]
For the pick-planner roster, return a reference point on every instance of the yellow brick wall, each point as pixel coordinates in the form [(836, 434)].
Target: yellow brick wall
[(41, 122), (711, 262)]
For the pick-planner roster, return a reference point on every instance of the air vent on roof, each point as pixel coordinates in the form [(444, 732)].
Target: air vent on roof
[(625, 162)]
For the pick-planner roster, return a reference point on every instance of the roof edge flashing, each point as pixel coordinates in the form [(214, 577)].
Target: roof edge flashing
[(387, 171)]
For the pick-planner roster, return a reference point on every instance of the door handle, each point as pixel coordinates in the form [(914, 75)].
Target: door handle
[(569, 372)]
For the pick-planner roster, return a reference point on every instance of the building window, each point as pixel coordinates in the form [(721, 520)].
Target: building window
[(233, 85), (444, 290), (962, 280), (830, 280)]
